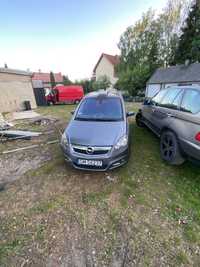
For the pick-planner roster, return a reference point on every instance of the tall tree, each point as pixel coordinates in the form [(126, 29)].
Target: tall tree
[(52, 80), (66, 80), (150, 43), (170, 22), (189, 45)]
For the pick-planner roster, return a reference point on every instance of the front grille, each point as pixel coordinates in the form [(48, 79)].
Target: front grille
[(88, 150)]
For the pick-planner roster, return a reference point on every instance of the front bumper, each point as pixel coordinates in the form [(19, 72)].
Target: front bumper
[(110, 162)]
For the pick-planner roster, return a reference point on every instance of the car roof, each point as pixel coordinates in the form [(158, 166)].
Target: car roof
[(197, 87), (105, 93)]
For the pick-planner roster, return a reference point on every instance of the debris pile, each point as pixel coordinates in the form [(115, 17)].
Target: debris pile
[(4, 125), (44, 121), (13, 135)]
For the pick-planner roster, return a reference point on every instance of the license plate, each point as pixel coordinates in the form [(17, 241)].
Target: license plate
[(86, 162)]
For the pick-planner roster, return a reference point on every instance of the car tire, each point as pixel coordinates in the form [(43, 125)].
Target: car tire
[(138, 120), (170, 149), (76, 102)]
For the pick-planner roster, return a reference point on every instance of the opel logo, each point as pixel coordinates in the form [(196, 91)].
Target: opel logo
[(90, 150)]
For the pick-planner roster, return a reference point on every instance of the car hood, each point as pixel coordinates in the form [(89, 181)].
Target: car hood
[(95, 133)]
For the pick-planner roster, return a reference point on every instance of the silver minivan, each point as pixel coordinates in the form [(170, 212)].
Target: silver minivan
[(174, 115), (97, 137)]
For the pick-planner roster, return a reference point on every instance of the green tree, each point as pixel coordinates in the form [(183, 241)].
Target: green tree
[(139, 54), (102, 83), (66, 80), (170, 22), (52, 80), (133, 80), (189, 45), (150, 43), (86, 84)]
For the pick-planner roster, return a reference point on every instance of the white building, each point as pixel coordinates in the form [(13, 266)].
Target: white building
[(173, 76), (106, 67), (15, 88)]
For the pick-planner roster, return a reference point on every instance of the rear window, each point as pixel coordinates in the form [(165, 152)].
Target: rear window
[(191, 101), (100, 109)]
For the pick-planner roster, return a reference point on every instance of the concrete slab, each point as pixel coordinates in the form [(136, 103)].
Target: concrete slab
[(30, 114)]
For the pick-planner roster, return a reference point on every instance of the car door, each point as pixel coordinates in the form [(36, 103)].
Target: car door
[(165, 110), (149, 107), (188, 123)]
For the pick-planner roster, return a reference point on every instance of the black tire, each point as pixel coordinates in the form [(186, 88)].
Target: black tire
[(76, 102), (138, 120), (170, 149)]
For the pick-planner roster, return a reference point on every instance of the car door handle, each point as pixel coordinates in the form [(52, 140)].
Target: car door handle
[(169, 115)]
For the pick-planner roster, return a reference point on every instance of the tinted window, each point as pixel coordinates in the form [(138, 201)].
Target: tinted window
[(191, 101), (100, 109), (170, 97), (159, 96)]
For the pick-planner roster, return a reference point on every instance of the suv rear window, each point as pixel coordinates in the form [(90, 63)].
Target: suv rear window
[(100, 109), (191, 101)]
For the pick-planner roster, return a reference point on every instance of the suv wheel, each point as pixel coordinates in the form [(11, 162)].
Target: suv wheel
[(169, 148), (138, 120)]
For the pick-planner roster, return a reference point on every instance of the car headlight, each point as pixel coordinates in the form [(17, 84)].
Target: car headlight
[(123, 141), (64, 140)]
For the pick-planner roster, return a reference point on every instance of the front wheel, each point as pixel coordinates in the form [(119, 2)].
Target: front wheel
[(138, 120), (169, 148)]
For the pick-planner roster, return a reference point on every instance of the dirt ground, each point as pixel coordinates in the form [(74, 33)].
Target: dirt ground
[(144, 214)]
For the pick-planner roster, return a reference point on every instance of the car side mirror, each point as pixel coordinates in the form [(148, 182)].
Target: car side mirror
[(130, 114), (72, 112), (148, 102)]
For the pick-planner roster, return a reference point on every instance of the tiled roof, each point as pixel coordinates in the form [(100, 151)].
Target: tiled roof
[(114, 60), (176, 74), (45, 77)]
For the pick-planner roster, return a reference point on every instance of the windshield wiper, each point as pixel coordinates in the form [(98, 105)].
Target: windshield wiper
[(96, 119)]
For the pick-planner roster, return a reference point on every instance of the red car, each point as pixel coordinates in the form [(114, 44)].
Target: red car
[(62, 94)]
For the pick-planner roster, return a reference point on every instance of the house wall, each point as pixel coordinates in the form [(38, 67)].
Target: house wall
[(106, 68), (14, 90)]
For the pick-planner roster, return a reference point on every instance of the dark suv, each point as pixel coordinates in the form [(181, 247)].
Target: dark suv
[(174, 115)]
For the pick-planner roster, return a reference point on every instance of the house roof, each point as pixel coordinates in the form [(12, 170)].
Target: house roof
[(176, 74), (45, 77), (114, 60), (15, 71)]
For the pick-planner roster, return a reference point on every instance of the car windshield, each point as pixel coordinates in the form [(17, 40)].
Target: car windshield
[(100, 109)]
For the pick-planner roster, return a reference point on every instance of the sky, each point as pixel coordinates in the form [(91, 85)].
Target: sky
[(65, 36)]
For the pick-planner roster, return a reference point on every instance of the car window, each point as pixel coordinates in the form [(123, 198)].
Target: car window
[(156, 99), (191, 101), (177, 101), (100, 109), (170, 97)]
